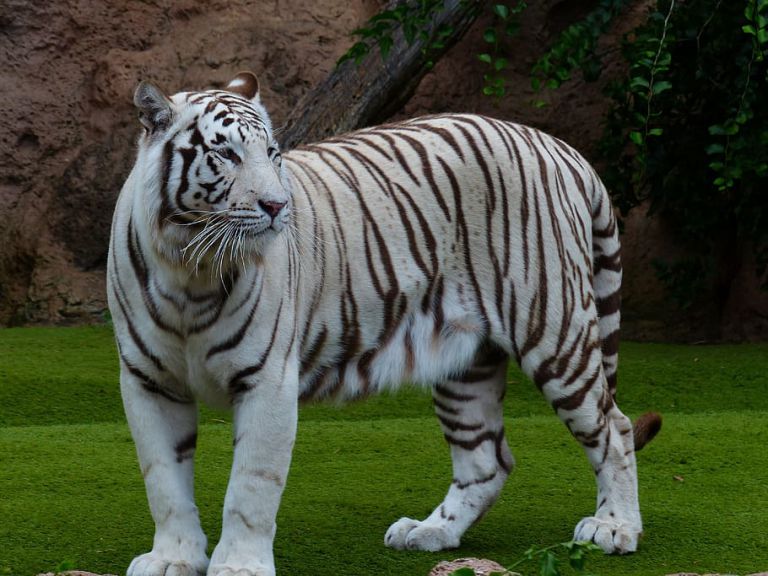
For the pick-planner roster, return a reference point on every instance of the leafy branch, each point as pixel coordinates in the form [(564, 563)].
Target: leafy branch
[(506, 24), (548, 559), (414, 18), (727, 172), (575, 48)]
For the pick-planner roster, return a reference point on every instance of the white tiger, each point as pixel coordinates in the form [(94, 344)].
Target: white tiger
[(427, 251)]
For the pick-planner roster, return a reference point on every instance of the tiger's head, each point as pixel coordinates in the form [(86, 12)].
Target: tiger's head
[(212, 186)]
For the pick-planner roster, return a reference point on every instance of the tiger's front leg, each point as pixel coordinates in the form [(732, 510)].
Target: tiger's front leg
[(265, 416), (164, 429)]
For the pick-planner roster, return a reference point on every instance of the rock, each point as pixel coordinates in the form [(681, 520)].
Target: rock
[(74, 573), (481, 566)]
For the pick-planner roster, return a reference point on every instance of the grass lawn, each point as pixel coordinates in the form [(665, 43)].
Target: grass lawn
[(70, 487)]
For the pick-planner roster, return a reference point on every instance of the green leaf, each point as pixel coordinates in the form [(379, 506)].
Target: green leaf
[(577, 560), (661, 86), (488, 90), (548, 564), (728, 129), (485, 57), (501, 10), (645, 63), (445, 32), (655, 132), (490, 35), (636, 137), (742, 117), (638, 82), (713, 149), (500, 64), (409, 32), (385, 45)]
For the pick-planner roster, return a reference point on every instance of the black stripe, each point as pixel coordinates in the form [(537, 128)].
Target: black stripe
[(237, 384), (153, 387), (235, 338), (451, 395), (185, 448)]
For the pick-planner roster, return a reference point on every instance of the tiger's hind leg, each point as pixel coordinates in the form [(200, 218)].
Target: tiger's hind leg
[(579, 392), (470, 413)]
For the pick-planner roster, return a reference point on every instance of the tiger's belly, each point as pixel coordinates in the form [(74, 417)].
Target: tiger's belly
[(424, 347)]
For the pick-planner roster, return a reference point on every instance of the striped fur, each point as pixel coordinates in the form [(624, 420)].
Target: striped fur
[(428, 251)]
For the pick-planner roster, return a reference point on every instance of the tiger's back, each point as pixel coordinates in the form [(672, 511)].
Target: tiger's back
[(431, 251), (440, 234)]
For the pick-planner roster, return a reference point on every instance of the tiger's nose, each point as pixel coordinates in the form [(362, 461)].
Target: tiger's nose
[(271, 208)]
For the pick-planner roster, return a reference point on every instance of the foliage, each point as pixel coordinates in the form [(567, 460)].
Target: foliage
[(505, 25), (687, 132), (548, 559), (576, 48), (416, 21), (698, 151)]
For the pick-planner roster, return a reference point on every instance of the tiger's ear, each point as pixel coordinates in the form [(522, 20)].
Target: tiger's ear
[(155, 111), (245, 84)]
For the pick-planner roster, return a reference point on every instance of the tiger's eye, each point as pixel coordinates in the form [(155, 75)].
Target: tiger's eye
[(231, 155), (274, 155)]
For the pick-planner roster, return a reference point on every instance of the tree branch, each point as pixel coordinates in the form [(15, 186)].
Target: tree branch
[(354, 96)]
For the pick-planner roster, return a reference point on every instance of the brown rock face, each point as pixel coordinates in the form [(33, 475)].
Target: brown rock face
[(67, 131), (67, 128)]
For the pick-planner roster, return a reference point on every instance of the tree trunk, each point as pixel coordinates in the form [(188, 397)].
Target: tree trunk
[(354, 96)]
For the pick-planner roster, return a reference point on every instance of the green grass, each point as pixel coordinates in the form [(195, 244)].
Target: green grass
[(70, 488)]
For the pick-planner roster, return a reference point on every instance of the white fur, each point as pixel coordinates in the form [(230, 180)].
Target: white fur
[(292, 275)]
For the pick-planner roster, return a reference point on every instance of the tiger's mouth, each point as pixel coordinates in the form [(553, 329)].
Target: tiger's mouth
[(232, 236), (252, 223)]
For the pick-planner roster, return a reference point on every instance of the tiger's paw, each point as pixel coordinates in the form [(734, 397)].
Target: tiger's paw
[(408, 534), (613, 537), (155, 564)]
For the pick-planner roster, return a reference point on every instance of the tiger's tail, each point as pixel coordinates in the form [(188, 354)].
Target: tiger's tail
[(607, 271)]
